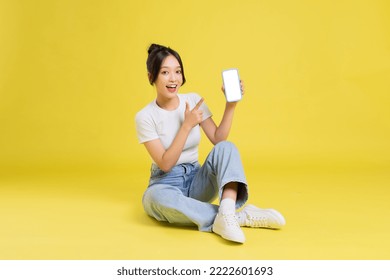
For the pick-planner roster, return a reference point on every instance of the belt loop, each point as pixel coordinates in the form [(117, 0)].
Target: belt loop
[(185, 169)]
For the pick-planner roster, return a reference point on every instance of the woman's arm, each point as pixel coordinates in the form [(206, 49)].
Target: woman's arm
[(166, 159), (220, 133)]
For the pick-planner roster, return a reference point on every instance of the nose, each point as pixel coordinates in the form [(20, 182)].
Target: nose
[(173, 77)]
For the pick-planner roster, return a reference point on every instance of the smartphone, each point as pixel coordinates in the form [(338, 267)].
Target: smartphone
[(231, 83)]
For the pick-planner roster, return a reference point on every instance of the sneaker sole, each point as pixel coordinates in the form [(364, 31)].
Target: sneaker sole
[(230, 238)]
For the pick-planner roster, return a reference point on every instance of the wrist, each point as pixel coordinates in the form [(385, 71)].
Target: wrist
[(186, 127), (231, 105)]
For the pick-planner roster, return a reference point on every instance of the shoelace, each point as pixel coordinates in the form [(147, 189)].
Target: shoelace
[(230, 220), (257, 221)]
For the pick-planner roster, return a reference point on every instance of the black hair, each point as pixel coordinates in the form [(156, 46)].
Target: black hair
[(156, 55)]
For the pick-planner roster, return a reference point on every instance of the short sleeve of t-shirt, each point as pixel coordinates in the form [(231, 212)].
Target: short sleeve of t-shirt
[(145, 125)]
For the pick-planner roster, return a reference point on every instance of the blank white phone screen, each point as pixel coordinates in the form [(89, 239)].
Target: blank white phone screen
[(231, 82)]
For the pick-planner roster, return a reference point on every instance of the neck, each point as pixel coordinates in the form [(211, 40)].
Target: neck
[(169, 104)]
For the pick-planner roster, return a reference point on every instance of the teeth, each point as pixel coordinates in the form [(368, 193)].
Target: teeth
[(174, 86)]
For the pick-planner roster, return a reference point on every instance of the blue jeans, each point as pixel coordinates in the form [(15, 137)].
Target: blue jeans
[(183, 195)]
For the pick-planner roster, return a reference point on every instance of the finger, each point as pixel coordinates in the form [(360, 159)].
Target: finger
[(198, 104), (187, 106), (242, 86)]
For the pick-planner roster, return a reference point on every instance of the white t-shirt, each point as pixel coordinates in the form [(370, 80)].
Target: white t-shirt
[(153, 122)]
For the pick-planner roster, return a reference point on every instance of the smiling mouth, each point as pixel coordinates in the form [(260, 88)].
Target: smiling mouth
[(172, 88)]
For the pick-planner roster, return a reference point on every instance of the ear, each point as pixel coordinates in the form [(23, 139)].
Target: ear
[(150, 78)]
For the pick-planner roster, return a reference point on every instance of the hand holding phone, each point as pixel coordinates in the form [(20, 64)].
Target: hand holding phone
[(232, 85)]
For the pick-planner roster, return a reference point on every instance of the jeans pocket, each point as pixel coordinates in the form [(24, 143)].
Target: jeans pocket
[(156, 173)]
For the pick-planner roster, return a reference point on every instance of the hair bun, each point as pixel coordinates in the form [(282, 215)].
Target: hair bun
[(155, 47)]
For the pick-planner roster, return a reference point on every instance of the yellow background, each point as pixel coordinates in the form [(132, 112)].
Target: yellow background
[(313, 128)]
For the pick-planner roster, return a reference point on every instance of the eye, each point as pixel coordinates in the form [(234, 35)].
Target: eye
[(178, 71), (164, 72)]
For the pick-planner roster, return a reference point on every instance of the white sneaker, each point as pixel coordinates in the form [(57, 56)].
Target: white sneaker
[(263, 218), (226, 225)]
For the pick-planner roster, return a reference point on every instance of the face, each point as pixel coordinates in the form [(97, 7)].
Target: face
[(169, 78)]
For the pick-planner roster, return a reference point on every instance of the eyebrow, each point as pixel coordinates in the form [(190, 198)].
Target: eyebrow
[(170, 67)]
